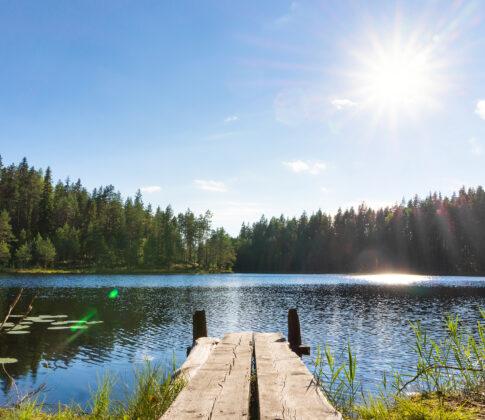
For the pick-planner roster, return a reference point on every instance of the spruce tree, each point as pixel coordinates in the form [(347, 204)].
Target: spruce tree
[(46, 205)]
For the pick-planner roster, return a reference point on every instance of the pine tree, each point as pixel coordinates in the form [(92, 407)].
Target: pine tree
[(46, 205)]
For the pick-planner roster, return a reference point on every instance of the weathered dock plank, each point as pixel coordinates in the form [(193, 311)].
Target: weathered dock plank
[(197, 357), (220, 387), (286, 388)]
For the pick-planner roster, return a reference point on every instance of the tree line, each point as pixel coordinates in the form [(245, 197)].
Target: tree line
[(63, 225), (435, 235)]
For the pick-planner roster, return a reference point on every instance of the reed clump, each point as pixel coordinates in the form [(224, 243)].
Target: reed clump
[(448, 381), (155, 390)]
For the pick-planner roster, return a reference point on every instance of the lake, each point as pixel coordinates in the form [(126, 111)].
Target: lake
[(149, 317)]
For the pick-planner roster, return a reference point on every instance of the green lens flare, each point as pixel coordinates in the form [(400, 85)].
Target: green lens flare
[(113, 294)]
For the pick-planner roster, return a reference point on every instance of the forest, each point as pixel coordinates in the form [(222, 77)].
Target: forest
[(62, 225), (43, 224)]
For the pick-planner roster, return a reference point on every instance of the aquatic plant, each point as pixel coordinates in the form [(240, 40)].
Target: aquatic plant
[(447, 382), (154, 391)]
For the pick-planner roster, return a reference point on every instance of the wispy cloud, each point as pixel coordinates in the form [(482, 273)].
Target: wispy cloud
[(475, 147), (480, 109), (301, 166), (210, 185), (231, 118), (150, 189), (342, 103)]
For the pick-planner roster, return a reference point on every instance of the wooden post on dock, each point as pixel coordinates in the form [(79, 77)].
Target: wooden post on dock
[(199, 325), (294, 334)]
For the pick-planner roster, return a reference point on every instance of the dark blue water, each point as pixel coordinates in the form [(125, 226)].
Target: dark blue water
[(151, 317)]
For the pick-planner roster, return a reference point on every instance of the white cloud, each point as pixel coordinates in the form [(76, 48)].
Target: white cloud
[(342, 103), (209, 185), (300, 166), (480, 109), (150, 189), (231, 118), (475, 147)]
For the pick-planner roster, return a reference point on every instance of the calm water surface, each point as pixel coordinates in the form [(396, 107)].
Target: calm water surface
[(151, 320)]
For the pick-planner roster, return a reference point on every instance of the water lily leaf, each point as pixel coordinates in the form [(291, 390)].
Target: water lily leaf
[(60, 323), (8, 324), (15, 316), (20, 327), (7, 360), (52, 316), (45, 320), (66, 327), (18, 332), (78, 327), (26, 323), (69, 327), (94, 322)]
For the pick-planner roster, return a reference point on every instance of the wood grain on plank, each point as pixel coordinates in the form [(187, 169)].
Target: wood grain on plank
[(197, 357), (286, 388), (220, 388)]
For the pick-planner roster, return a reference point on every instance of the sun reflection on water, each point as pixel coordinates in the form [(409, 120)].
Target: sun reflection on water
[(393, 278)]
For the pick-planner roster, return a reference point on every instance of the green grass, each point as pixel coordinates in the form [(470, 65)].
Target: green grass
[(154, 392), (175, 269), (448, 381), (415, 408)]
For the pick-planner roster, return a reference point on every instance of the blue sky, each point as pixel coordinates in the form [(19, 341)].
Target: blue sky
[(247, 107)]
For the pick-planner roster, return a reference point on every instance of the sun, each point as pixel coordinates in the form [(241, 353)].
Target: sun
[(392, 78), (398, 78)]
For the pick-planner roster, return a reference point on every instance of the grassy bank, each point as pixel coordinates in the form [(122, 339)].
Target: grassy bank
[(154, 392), (448, 381), (176, 269)]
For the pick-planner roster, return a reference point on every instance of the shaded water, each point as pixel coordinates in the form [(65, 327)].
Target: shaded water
[(151, 317)]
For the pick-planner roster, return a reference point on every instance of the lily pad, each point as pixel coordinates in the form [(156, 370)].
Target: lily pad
[(78, 327), (52, 316), (94, 322), (36, 319), (26, 323), (20, 327), (8, 324), (15, 316), (7, 360), (18, 332), (69, 327), (65, 327)]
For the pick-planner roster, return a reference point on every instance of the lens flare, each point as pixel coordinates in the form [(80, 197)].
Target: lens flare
[(113, 294)]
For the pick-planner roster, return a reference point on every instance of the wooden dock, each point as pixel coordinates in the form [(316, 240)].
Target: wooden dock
[(248, 375)]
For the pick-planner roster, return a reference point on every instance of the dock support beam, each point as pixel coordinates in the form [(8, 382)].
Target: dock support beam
[(199, 325), (294, 334)]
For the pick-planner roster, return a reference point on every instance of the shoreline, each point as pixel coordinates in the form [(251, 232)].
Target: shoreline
[(85, 271), (195, 270)]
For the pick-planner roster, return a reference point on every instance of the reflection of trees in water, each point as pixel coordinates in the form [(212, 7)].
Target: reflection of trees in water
[(130, 316)]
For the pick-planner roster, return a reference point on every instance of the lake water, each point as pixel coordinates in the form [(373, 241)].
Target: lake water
[(149, 317)]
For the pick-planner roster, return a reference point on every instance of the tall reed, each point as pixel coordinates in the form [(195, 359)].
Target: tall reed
[(450, 368)]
